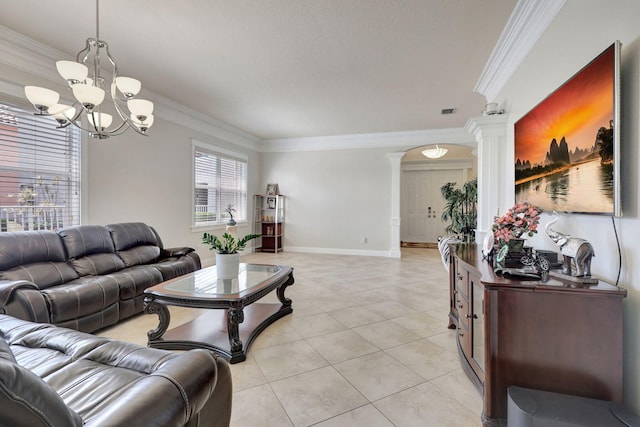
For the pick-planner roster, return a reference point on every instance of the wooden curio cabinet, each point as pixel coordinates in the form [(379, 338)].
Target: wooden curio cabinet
[(550, 334), (268, 222)]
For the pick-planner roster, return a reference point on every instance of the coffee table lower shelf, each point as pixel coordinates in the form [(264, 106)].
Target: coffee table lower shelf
[(209, 331)]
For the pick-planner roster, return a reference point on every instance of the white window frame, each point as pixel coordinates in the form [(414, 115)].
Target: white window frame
[(241, 206), (39, 191)]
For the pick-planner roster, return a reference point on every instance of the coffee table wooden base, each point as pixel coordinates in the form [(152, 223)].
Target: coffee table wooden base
[(209, 331)]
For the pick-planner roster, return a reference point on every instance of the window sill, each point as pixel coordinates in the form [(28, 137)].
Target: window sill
[(215, 226)]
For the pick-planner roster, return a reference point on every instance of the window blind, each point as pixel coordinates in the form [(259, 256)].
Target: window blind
[(39, 172), (220, 181)]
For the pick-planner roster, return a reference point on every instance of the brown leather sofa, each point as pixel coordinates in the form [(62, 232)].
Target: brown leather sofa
[(85, 277), (52, 376)]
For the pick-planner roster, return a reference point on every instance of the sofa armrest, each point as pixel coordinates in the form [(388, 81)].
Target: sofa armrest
[(9, 287), (23, 299), (172, 395), (172, 252)]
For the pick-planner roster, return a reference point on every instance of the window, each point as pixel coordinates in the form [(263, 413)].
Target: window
[(220, 180), (39, 172)]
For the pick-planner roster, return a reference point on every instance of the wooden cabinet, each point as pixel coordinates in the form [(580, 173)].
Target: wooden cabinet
[(551, 334), (269, 222)]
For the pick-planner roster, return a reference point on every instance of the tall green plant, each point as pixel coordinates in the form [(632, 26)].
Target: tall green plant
[(461, 208), (228, 244)]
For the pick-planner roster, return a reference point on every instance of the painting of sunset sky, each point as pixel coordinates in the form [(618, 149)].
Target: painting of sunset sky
[(564, 146)]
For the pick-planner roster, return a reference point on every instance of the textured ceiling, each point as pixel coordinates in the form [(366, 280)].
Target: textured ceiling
[(290, 68)]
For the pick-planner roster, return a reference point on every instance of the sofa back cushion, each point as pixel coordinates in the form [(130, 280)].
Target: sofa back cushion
[(135, 243), (26, 247), (36, 256), (42, 274), (91, 250), (84, 240), (27, 400)]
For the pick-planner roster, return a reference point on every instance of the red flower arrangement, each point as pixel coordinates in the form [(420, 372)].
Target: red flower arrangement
[(522, 219)]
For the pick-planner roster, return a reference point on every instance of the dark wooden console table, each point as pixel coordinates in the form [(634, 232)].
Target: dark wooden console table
[(551, 335)]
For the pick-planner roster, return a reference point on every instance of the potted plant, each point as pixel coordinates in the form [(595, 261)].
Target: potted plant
[(227, 256), (461, 209), (230, 210), (519, 221)]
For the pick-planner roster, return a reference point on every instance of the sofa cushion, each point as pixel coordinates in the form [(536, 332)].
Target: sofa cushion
[(81, 297), (85, 240), (135, 242), (28, 401), (134, 280), (5, 351), (27, 247), (90, 249), (98, 264), (42, 274), (130, 234)]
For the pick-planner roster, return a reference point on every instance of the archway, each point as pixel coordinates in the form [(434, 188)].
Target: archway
[(421, 202)]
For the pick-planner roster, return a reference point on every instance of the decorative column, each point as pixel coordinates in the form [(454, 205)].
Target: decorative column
[(396, 159), (495, 177)]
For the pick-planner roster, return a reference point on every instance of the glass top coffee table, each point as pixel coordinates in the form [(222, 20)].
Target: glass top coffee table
[(230, 330)]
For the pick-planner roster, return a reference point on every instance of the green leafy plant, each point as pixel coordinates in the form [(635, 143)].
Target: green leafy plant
[(461, 208), (228, 244)]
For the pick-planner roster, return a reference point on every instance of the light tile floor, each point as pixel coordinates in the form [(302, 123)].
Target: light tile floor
[(366, 345)]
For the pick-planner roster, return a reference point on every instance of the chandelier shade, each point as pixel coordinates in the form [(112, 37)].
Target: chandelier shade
[(100, 120), (41, 98), (434, 153), (91, 86), (72, 71), (128, 87)]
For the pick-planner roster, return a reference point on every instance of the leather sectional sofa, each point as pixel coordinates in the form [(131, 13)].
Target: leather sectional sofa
[(85, 277), (53, 376)]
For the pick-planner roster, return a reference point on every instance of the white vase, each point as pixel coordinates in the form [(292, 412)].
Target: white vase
[(227, 265)]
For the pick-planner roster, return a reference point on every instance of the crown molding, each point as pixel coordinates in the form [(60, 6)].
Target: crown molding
[(36, 58), (400, 140), (529, 20)]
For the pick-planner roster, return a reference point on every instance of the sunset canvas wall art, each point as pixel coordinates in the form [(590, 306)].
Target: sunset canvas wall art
[(565, 147)]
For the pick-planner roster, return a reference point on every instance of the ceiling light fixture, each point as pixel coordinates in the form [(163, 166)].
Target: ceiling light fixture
[(434, 153), (89, 87)]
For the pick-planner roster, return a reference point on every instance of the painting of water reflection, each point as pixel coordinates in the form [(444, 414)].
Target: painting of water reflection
[(566, 148)]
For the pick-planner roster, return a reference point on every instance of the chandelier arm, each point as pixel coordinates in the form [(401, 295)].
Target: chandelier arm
[(83, 55)]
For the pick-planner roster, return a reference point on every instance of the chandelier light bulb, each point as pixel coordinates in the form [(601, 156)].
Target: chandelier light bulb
[(41, 98), (100, 121), (141, 108), (71, 71), (142, 125), (62, 112), (89, 96), (128, 87)]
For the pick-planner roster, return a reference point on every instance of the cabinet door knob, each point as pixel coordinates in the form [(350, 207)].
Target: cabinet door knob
[(468, 316)]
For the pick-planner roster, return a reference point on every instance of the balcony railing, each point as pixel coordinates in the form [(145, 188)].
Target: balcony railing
[(19, 218)]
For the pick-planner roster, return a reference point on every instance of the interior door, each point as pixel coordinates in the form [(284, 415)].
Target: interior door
[(422, 203)]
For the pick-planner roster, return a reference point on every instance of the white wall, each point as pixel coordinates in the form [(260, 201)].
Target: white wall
[(335, 199), (582, 30), (133, 178)]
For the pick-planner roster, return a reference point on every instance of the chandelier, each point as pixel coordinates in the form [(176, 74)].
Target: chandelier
[(89, 87), (434, 153)]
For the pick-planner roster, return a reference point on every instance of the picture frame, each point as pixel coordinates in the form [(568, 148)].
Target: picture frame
[(271, 202), (567, 148), (272, 189)]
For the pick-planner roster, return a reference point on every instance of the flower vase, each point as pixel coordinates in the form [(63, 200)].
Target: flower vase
[(227, 265), (516, 245)]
